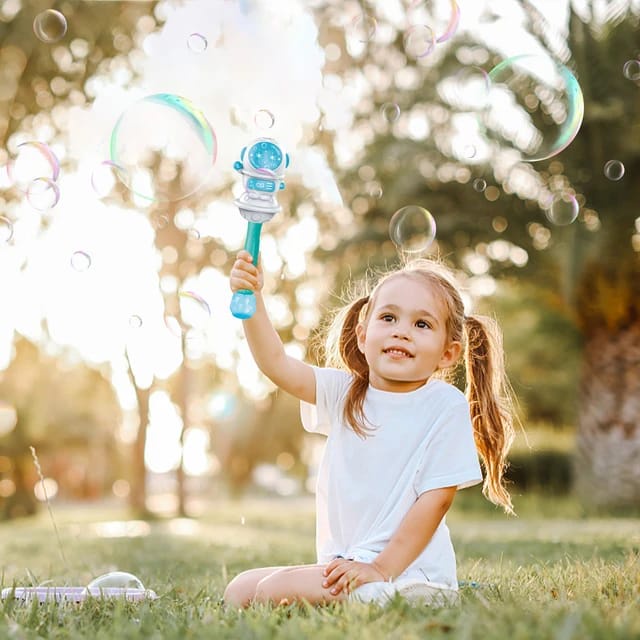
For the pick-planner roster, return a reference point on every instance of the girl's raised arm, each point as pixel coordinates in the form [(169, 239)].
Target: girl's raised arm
[(290, 375)]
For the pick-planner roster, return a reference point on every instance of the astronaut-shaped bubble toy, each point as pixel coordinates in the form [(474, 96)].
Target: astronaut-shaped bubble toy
[(262, 164)]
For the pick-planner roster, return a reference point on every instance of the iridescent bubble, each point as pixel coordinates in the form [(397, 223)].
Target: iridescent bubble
[(6, 230), (264, 119), (195, 310), (116, 580), (32, 160), (614, 169), (43, 194), (446, 23), (479, 185), (419, 41), (390, 111), (105, 176), (166, 147), (534, 106), (50, 26), (412, 229), (563, 209), (631, 70), (471, 88), (197, 43), (80, 261), (363, 27)]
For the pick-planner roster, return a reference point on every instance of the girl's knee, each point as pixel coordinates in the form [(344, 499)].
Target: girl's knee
[(239, 593)]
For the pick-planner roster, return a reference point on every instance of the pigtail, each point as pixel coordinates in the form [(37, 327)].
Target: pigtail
[(491, 404), (342, 352)]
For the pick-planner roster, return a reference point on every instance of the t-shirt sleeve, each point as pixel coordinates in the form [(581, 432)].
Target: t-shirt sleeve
[(450, 458), (331, 387)]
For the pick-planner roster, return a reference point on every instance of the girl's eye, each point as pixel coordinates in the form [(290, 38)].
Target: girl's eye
[(422, 324), (387, 317)]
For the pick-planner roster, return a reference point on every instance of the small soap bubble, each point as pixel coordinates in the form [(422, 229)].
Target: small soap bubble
[(195, 310), (390, 112), (6, 230), (419, 41), (363, 27), (412, 229), (50, 26), (563, 209), (80, 261), (32, 160), (105, 176), (43, 194), (264, 119), (631, 70), (479, 184), (614, 170), (197, 43), (135, 322), (444, 19)]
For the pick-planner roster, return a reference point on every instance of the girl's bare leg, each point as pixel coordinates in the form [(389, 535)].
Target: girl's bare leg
[(290, 584), (241, 591)]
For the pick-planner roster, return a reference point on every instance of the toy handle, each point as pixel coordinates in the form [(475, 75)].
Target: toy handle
[(243, 302)]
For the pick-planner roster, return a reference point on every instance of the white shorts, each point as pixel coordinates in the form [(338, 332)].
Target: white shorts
[(413, 585)]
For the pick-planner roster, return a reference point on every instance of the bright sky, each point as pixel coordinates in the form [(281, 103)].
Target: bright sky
[(93, 273)]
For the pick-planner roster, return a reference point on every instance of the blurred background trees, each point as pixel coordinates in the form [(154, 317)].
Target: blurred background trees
[(567, 296)]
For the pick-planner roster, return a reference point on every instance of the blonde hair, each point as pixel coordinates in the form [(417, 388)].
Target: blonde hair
[(487, 388)]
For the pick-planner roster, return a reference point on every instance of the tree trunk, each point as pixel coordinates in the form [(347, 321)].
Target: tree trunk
[(607, 471)]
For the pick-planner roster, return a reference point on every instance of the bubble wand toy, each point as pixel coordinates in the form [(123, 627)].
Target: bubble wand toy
[(262, 164)]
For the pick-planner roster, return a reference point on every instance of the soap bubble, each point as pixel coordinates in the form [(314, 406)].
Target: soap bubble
[(614, 169), (363, 27), (194, 309), (105, 176), (166, 147), (445, 22), (116, 580), (534, 106), (390, 111), (264, 119), (6, 230), (32, 160), (419, 41), (631, 70), (563, 209), (80, 261), (50, 26), (479, 185), (412, 229), (197, 43), (43, 194)]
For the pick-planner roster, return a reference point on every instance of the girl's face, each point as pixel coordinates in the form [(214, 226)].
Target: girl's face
[(404, 337)]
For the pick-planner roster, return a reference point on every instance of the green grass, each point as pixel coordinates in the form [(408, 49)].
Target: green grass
[(550, 573)]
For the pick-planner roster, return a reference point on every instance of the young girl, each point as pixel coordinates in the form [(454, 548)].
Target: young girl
[(400, 440)]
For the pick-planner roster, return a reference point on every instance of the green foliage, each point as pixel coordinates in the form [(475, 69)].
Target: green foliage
[(537, 579)]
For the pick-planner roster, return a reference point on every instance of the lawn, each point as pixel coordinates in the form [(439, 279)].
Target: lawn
[(550, 573)]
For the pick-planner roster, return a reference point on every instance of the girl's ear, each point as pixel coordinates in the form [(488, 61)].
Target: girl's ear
[(450, 355), (361, 334)]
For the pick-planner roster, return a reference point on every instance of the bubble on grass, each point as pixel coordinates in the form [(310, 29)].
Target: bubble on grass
[(80, 261), (116, 580), (166, 147), (105, 176), (264, 119), (419, 41), (390, 112), (614, 170), (563, 209), (479, 184), (6, 230), (197, 43), (50, 26), (363, 27), (412, 229), (32, 160), (534, 106), (631, 70), (43, 194)]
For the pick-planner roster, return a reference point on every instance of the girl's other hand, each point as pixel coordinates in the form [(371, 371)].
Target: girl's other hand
[(244, 274)]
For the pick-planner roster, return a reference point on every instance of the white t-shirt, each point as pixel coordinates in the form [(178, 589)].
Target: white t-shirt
[(423, 440)]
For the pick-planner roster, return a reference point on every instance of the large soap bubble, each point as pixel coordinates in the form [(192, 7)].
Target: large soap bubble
[(534, 105), (116, 580), (165, 146), (413, 230)]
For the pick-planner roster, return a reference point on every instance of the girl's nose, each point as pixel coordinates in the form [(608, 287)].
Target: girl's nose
[(400, 332)]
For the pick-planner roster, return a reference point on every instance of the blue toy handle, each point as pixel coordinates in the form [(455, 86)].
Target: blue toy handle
[(243, 302)]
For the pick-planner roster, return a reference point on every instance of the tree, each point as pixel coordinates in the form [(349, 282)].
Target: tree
[(588, 271)]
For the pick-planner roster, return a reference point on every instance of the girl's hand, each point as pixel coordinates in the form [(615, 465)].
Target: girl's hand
[(347, 575), (244, 274)]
